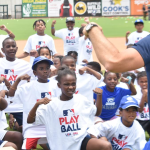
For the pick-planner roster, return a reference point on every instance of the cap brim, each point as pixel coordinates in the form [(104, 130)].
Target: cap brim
[(49, 61), (70, 21), (127, 106)]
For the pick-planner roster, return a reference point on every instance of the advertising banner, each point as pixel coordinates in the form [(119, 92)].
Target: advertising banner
[(60, 8), (34, 8), (87, 8), (137, 6), (115, 7)]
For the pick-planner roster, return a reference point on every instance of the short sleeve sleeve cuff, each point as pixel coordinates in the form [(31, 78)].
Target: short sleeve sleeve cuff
[(143, 47)]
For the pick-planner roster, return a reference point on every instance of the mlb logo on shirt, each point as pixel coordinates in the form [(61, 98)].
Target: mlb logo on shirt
[(122, 137), (41, 43), (46, 94), (9, 71), (68, 112), (68, 34)]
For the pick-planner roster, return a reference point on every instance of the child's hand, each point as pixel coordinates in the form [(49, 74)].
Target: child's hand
[(3, 27), (3, 93), (11, 123), (82, 70), (44, 101), (98, 91), (33, 53), (84, 61), (2, 79), (25, 77), (125, 80), (86, 19), (144, 92), (53, 22), (127, 33)]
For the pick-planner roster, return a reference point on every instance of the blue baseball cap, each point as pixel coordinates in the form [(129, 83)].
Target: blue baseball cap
[(128, 101), (138, 21), (39, 59)]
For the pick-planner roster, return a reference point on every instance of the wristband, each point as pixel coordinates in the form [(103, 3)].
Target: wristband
[(130, 78), (52, 27)]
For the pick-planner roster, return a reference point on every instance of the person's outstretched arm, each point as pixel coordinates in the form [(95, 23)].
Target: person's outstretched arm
[(32, 113), (131, 85), (109, 55), (53, 27), (23, 55), (127, 33), (3, 27), (13, 88), (90, 71)]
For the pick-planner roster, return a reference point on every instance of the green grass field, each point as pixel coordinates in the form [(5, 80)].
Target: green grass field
[(112, 26)]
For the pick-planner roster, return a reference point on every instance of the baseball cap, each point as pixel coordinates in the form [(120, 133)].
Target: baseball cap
[(39, 59), (128, 101), (139, 21), (70, 19)]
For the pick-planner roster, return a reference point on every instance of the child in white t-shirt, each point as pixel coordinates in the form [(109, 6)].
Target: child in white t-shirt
[(124, 133), (38, 40), (86, 83), (69, 35), (141, 97), (136, 36), (14, 138), (28, 94), (85, 48), (11, 68), (67, 117)]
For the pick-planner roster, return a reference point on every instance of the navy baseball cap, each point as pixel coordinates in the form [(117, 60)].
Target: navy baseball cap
[(70, 19), (128, 101), (139, 21), (39, 59)]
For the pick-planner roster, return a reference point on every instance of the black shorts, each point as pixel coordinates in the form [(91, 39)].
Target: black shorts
[(19, 117), (145, 125), (84, 142)]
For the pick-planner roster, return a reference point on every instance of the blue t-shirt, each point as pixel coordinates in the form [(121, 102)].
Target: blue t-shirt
[(111, 101), (143, 47)]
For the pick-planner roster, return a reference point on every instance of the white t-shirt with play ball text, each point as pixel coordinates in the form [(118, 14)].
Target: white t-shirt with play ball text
[(144, 115), (28, 94), (35, 41), (85, 50), (66, 121), (119, 135), (11, 70), (70, 38)]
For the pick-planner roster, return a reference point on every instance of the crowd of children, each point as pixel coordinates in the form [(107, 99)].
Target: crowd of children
[(67, 102)]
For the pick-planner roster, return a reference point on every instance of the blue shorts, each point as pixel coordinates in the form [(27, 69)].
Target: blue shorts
[(19, 117)]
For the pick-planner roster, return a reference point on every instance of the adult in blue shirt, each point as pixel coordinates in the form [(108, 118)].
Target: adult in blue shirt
[(119, 61)]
